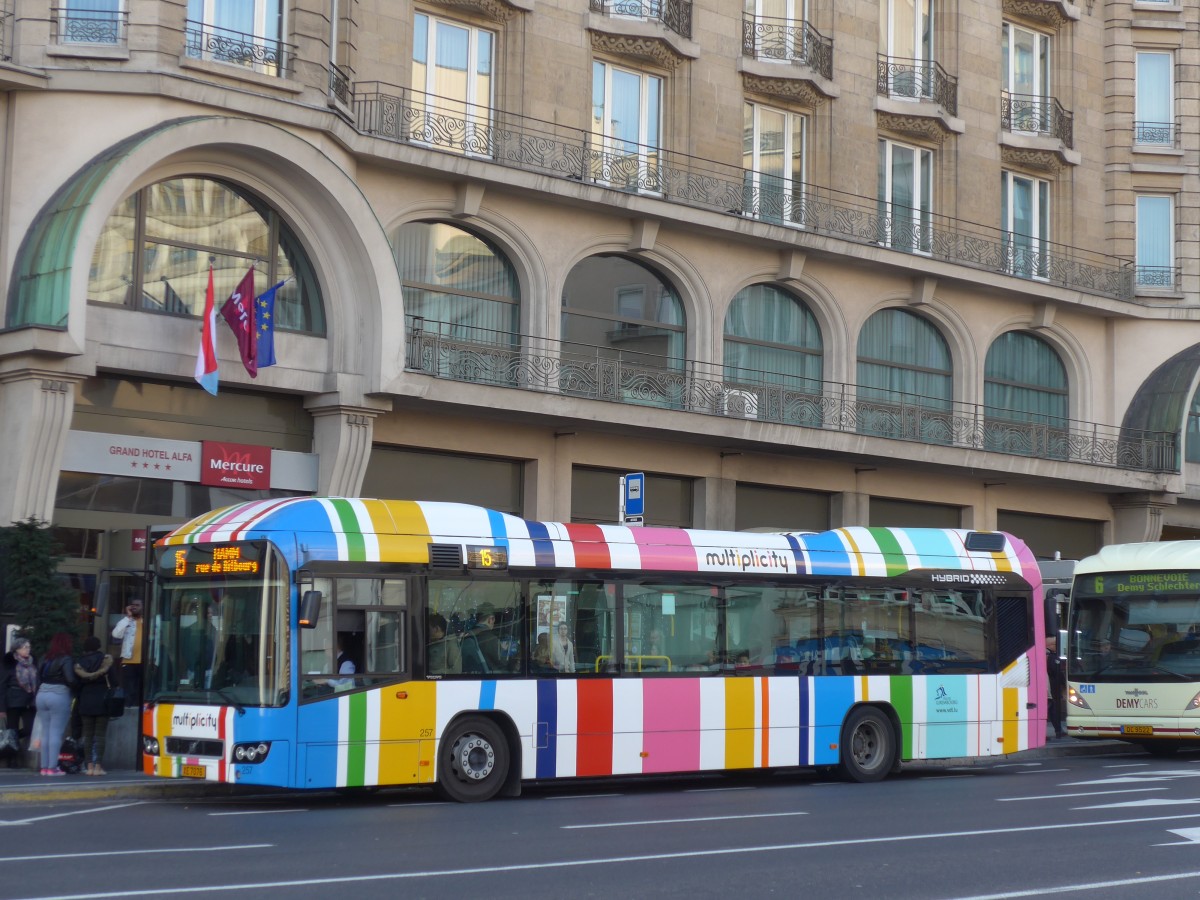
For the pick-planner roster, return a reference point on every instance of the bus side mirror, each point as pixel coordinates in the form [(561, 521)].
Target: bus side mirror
[(1062, 643), (310, 609)]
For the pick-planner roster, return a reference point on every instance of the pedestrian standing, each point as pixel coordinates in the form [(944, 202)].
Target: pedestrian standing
[(54, 696), (1056, 684), (20, 688), (93, 669), (128, 632)]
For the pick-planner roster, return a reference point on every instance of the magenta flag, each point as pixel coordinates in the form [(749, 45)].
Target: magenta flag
[(238, 311)]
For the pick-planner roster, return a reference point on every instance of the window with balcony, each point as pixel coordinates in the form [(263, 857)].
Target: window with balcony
[(1025, 72), (156, 247), (1154, 100), (452, 81), (772, 342), (246, 33), (774, 29), (91, 22), (1025, 212), (1156, 242), (905, 378), (905, 203), (906, 43), (1025, 397), (773, 161), (626, 128), (623, 332)]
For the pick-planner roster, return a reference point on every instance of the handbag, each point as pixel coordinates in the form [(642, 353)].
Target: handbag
[(114, 702)]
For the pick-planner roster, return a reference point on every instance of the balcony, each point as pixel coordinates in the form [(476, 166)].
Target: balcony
[(1159, 278), (786, 40), (1156, 135), (98, 27), (266, 56), (523, 362), (1031, 114), (674, 15), (6, 35), (916, 79), (546, 148)]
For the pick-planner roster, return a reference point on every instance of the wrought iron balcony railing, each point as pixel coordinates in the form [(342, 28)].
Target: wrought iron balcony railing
[(787, 40), (917, 79), (1158, 134), (6, 35), (481, 356), (1164, 278), (1037, 115), (675, 15), (340, 87), (267, 56), (550, 149), (90, 26)]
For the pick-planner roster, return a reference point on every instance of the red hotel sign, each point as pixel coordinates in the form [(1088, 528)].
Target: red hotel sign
[(244, 466)]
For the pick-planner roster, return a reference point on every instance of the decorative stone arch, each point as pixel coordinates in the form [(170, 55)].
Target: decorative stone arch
[(643, 248), (513, 242), (964, 354), (325, 208), (820, 303), (1069, 350)]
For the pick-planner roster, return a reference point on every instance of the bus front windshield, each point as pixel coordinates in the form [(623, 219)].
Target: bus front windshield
[(1147, 638), (219, 636)]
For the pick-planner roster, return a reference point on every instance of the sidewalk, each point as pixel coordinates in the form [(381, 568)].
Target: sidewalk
[(25, 786)]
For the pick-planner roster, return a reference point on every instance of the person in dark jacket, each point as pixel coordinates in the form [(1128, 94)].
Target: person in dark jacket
[(92, 670), (57, 674), (20, 687)]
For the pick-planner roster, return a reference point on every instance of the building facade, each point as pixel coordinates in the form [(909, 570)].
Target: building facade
[(805, 263)]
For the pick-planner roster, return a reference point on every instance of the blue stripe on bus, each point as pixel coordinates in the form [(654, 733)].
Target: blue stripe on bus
[(933, 546), (547, 718), (487, 695), (499, 531), (318, 728), (805, 710), (834, 697), (543, 547), (796, 552), (827, 554)]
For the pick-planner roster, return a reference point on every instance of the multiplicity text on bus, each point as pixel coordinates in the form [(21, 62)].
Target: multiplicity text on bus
[(331, 642), (1133, 662)]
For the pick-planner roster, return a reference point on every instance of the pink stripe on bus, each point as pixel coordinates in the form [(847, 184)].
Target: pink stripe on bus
[(665, 548), (671, 725)]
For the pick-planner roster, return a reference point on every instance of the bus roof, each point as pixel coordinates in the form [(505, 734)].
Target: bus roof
[(402, 531), (1142, 557)]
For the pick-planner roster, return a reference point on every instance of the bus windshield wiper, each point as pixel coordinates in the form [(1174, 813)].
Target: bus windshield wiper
[(230, 699)]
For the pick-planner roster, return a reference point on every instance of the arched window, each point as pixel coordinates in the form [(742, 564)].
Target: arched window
[(771, 337), (155, 251), (904, 366), (460, 284), (1192, 438), (1025, 397), (616, 309)]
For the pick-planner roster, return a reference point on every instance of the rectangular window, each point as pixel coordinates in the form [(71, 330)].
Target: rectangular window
[(91, 22), (242, 32), (905, 197), (358, 640), (627, 123), (1025, 212), (1154, 101), (483, 624), (452, 81), (906, 41), (1025, 72), (1155, 242), (773, 162)]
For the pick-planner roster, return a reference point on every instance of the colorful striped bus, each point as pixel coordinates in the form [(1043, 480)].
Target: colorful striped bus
[(335, 643)]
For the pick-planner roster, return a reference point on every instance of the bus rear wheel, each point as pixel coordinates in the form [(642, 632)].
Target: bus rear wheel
[(473, 760), (868, 746)]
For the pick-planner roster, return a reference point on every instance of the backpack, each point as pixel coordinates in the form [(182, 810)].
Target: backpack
[(70, 757), (473, 661)]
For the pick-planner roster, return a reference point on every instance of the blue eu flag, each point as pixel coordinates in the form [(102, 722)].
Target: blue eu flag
[(264, 315)]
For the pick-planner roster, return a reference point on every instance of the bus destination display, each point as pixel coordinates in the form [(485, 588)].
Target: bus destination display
[(1127, 584), (219, 559)]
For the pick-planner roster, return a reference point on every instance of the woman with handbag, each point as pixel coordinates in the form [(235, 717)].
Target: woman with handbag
[(20, 687), (93, 669), (57, 674)]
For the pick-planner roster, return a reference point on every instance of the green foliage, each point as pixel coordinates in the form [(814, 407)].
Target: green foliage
[(34, 594)]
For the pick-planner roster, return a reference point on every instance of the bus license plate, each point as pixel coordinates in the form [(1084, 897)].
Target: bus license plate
[(1137, 729), (194, 771)]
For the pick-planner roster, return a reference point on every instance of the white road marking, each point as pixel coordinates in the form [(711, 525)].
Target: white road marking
[(1042, 771), (257, 812), (654, 857), (582, 796), (1149, 801), (74, 812), (1088, 886), (1190, 836), (681, 821), (1080, 794), (717, 790), (140, 852)]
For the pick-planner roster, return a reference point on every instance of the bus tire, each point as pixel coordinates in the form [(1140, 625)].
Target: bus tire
[(868, 748), (473, 760)]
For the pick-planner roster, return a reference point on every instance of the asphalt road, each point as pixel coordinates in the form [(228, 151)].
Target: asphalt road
[(1100, 826)]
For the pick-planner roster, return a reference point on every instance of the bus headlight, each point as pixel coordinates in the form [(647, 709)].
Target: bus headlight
[(1076, 699), (1193, 704), (251, 753), (150, 745)]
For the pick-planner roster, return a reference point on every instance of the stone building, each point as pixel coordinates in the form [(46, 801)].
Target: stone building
[(805, 263)]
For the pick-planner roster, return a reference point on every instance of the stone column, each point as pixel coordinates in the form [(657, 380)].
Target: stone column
[(1139, 517), (35, 416), (850, 508), (342, 437)]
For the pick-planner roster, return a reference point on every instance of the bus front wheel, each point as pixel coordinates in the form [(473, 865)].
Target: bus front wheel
[(868, 745), (473, 760)]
